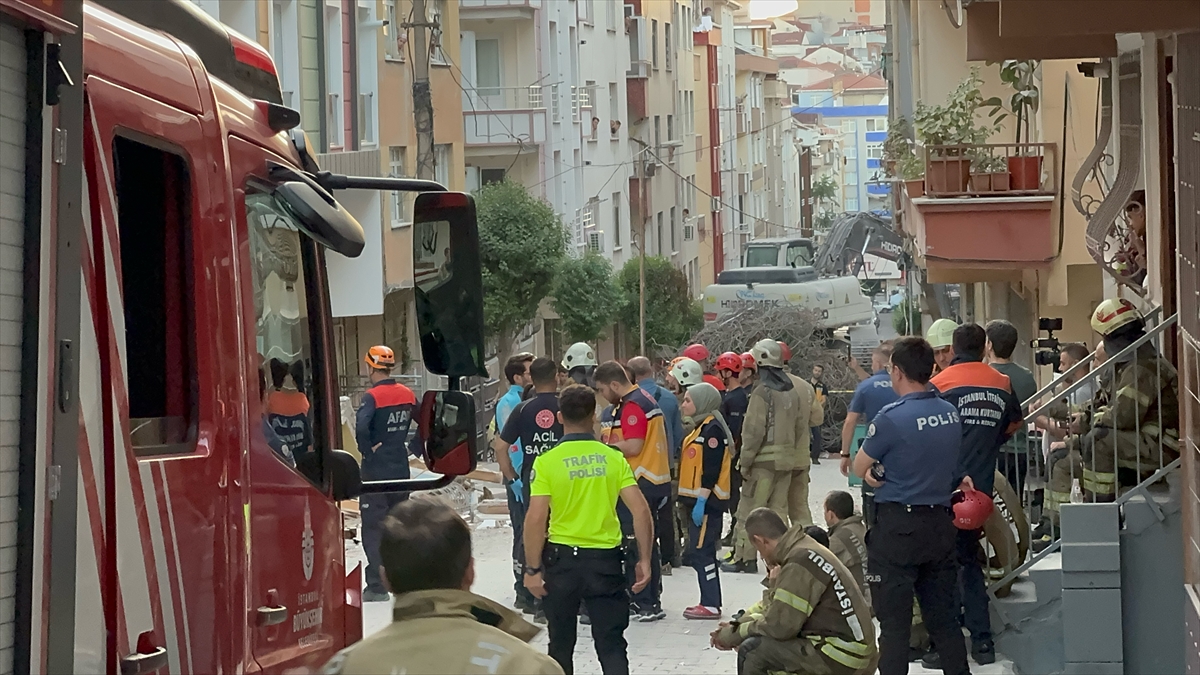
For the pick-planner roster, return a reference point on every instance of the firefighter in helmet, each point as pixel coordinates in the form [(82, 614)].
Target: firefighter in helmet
[(773, 431), (580, 362), (941, 337), (1131, 427), (381, 430)]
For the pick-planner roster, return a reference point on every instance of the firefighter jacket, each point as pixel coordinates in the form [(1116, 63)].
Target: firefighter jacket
[(381, 430), (638, 416), (814, 597), (705, 464), (1140, 395), (447, 631), (775, 430), (848, 541)]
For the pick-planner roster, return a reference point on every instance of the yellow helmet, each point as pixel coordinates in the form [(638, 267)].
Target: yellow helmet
[(941, 334), (1114, 313)]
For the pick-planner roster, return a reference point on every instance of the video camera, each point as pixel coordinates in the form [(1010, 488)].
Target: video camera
[(1047, 347)]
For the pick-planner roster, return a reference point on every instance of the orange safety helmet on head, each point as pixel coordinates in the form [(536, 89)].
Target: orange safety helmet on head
[(380, 357), (696, 352), (748, 362), (971, 509), (787, 351), (729, 361)]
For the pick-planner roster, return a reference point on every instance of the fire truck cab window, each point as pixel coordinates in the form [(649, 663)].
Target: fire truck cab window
[(153, 216), (284, 335)]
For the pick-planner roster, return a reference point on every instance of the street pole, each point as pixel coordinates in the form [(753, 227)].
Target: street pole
[(422, 97), (644, 214)]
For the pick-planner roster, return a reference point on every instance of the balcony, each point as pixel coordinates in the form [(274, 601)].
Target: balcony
[(498, 9), (985, 212), (508, 115)]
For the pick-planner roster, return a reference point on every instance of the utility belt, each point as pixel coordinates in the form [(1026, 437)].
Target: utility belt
[(910, 508), (853, 655), (557, 553)]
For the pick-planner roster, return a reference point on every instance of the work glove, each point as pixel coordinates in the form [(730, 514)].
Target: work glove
[(698, 510), (518, 489)]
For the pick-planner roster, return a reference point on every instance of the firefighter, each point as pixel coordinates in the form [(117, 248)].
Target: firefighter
[(580, 363), (1131, 427), (704, 489), (439, 625), (288, 408), (814, 620), (635, 426), (774, 430), (847, 536), (381, 431), (941, 337), (814, 402), (733, 409)]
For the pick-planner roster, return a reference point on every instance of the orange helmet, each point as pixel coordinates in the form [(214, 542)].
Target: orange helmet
[(787, 351), (696, 352), (748, 362), (380, 357), (971, 509), (729, 361)]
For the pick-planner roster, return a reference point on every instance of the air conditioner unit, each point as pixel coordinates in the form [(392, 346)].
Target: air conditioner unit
[(689, 232), (596, 242), (651, 169), (744, 228), (716, 205)]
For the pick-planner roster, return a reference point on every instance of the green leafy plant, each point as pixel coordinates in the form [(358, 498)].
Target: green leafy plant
[(522, 242), (954, 122), (586, 297), (672, 315), (906, 319), (824, 189), (1025, 99), (910, 168), (985, 162), (898, 146)]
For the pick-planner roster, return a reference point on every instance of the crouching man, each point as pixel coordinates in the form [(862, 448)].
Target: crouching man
[(438, 624), (814, 618)]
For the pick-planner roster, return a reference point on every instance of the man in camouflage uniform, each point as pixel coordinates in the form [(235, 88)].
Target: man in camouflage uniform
[(813, 619), (1131, 426), (773, 429)]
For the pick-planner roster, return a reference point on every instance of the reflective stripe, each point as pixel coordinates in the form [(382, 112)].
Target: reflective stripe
[(743, 629), (851, 647), (1099, 477), (689, 492), (797, 602), (721, 494), (1132, 392), (643, 472), (854, 662), (1053, 497)]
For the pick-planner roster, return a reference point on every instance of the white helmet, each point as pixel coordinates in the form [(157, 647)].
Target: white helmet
[(687, 372), (941, 334), (767, 352), (579, 354)]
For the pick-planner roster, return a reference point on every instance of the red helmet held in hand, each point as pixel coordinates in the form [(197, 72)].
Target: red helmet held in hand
[(972, 508), (696, 352), (729, 361)]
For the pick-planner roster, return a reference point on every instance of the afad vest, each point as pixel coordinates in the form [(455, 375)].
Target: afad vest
[(651, 464), (691, 465)]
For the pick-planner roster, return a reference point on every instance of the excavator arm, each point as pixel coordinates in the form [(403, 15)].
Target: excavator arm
[(850, 238)]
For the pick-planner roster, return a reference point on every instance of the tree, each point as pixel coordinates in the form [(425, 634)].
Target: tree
[(671, 313), (521, 244), (824, 189), (586, 297)]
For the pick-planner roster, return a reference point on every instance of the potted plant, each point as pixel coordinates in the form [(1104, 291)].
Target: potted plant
[(989, 173), (949, 126), (898, 145), (911, 170), (1025, 166)]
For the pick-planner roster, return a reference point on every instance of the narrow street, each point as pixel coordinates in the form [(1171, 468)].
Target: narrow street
[(673, 645)]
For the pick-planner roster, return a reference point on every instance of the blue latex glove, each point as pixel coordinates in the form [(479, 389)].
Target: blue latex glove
[(698, 510), (518, 489)]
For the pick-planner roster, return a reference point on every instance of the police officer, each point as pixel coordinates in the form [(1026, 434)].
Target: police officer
[(381, 430), (773, 444), (533, 427), (870, 396), (573, 539), (912, 446), (813, 618)]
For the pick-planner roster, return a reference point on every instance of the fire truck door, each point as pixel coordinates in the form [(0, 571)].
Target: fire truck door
[(158, 421)]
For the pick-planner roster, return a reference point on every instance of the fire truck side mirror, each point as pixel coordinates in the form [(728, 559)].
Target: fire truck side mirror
[(449, 284), (447, 424), (345, 477), (322, 217)]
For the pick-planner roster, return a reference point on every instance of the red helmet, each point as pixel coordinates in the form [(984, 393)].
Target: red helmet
[(714, 381), (787, 351), (696, 352), (729, 361), (748, 362), (971, 509)]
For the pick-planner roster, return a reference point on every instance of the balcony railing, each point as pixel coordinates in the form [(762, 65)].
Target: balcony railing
[(990, 170), (485, 99)]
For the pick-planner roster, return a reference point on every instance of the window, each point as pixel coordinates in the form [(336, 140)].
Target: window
[(368, 78), (334, 132), (489, 176), (659, 232), (852, 204), (671, 128), (487, 67), (443, 156), (875, 151), (850, 178), (877, 124), (849, 126), (153, 220), (674, 230), (667, 45), (654, 43), (401, 202), (611, 15), (285, 50), (657, 131), (436, 9), (614, 104), (394, 35), (616, 223), (850, 152)]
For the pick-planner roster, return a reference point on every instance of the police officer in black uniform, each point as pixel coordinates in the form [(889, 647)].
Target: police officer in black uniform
[(381, 430), (910, 457)]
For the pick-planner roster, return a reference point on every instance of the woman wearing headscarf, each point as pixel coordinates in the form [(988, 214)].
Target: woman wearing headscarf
[(704, 490)]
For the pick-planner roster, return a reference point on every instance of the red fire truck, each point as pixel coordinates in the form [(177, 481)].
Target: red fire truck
[(163, 231)]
